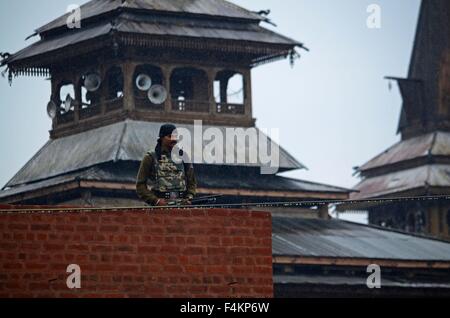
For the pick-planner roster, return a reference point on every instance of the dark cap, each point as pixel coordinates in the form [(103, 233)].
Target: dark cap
[(166, 130)]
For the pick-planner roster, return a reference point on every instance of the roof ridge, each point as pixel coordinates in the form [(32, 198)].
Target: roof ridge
[(433, 143), (122, 136), (316, 183)]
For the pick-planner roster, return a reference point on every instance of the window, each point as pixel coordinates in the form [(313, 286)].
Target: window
[(114, 83), (189, 90), (229, 92)]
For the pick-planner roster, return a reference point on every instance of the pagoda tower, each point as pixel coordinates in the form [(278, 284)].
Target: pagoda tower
[(132, 65), (419, 164)]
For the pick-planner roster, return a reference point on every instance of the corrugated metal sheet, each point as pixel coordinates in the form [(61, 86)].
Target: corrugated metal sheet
[(71, 37), (207, 177), (157, 26), (436, 144), (437, 175), (124, 141), (218, 8), (333, 238), (349, 280), (202, 29)]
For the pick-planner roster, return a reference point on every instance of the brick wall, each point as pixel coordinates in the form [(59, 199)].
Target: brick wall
[(171, 253)]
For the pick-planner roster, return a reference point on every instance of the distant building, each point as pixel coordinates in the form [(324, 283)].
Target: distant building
[(102, 131), (418, 165), (332, 258)]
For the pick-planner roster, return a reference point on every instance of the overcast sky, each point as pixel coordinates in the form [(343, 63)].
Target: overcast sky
[(333, 109)]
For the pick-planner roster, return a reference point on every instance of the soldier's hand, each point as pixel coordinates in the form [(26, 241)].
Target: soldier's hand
[(187, 202), (162, 202)]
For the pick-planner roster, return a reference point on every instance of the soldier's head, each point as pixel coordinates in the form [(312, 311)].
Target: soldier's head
[(168, 137)]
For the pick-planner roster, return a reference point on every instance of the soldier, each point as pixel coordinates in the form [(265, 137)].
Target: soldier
[(171, 183)]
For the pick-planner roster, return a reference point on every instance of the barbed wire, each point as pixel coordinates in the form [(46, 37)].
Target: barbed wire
[(303, 203)]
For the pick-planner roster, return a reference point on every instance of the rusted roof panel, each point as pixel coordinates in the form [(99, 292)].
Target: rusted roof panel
[(436, 144), (437, 175), (332, 238)]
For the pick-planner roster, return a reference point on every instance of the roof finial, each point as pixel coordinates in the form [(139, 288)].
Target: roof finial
[(264, 14)]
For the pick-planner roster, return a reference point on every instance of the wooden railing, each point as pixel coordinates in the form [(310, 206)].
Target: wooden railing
[(90, 111), (66, 117), (190, 106), (114, 104), (226, 108), (143, 103)]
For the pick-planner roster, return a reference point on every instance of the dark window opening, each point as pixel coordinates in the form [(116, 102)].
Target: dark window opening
[(114, 79), (114, 88), (67, 97), (90, 94), (189, 90), (66, 103)]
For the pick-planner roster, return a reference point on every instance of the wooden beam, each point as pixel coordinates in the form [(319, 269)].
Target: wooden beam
[(279, 194), (132, 187), (290, 260)]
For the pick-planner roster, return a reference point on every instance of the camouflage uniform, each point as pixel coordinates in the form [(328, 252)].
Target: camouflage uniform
[(164, 175)]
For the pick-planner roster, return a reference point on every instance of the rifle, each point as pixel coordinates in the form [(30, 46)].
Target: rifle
[(198, 201), (207, 199)]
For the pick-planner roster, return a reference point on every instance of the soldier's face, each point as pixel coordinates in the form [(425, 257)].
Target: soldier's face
[(170, 141)]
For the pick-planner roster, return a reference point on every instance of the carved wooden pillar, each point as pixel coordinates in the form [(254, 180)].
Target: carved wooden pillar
[(103, 89), (323, 212), (167, 73), (248, 93), (211, 72), (55, 98), (78, 98), (128, 69)]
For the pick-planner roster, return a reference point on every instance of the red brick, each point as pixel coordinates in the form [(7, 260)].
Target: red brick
[(86, 228), (19, 227), (40, 227), (109, 228), (170, 253)]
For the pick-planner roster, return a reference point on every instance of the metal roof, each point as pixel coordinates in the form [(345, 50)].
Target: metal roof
[(156, 26), (124, 141), (298, 237), (435, 175), (435, 144), (176, 26), (207, 177), (357, 280), (216, 8), (58, 42)]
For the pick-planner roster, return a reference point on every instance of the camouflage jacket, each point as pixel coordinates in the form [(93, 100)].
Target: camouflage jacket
[(163, 176)]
